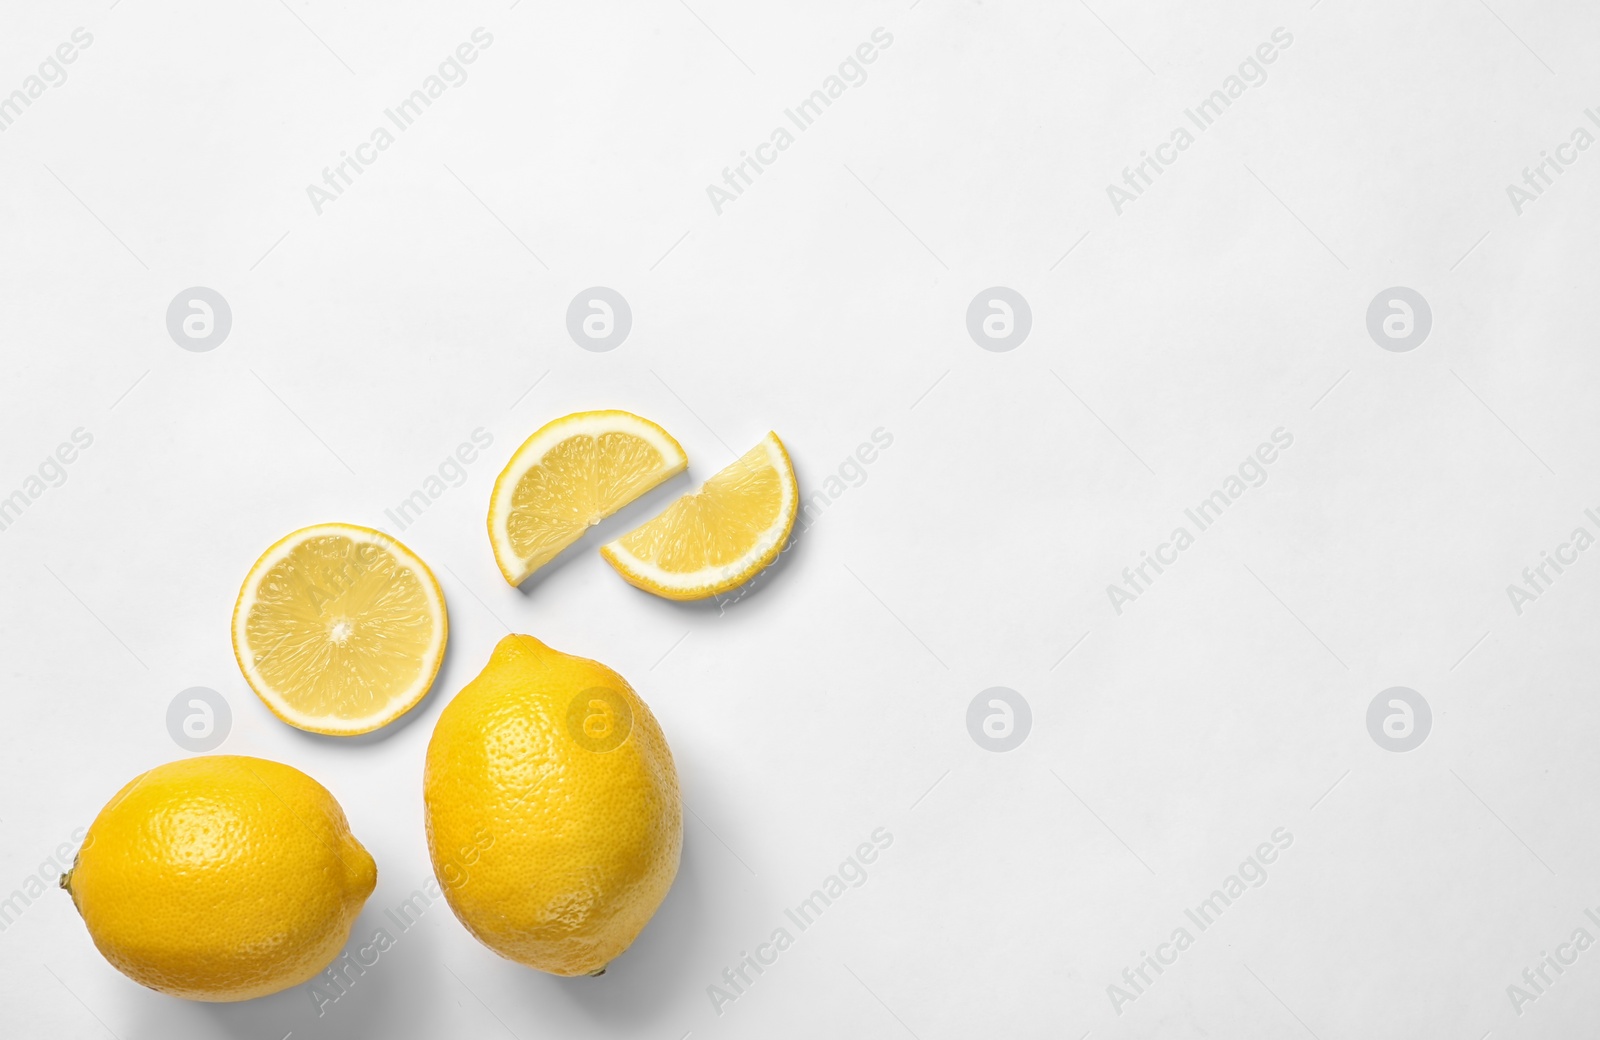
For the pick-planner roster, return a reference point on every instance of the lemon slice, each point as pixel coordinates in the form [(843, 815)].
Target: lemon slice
[(339, 629), (716, 538), (571, 474)]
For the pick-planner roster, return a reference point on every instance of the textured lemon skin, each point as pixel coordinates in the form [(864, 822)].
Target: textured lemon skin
[(221, 878), (551, 854)]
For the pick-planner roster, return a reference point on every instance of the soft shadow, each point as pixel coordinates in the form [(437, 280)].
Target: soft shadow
[(654, 971), (247, 1020), (379, 1000)]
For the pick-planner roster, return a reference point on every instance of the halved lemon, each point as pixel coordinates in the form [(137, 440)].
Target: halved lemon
[(716, 538), (339, 629), (571, 474)]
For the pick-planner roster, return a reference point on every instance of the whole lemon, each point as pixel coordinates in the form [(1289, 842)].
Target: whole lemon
[(552, 809), (220, 878)]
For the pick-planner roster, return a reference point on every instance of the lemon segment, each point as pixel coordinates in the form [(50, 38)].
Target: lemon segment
[(220, 878), (571, 474), (339, 629), (716, 538)]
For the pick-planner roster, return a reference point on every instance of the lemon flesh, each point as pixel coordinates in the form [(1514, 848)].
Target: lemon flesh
[(221, 878), (339, 629), (571, 474), (552, 808), (716, 538)]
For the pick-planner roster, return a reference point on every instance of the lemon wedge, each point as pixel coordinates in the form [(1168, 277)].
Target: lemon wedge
[(339, 629), (571, 474), (716, 538)]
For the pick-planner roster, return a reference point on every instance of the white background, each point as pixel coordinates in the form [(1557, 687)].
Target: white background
[(828, 301)]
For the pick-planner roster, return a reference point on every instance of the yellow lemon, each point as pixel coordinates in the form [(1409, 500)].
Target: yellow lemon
[(719, 537), (220, 878), (571, 474), (339, 629), (552, 809)]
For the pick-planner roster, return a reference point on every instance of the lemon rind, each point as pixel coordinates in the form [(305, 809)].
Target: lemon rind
[(532, 452), (713, 581), (398, 706)]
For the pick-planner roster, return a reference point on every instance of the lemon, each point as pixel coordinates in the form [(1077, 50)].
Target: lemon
[(571, 474), (716, 538), (339, 629), (220, 878), (552, 809)]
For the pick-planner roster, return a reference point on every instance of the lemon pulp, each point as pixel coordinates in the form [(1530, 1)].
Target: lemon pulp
[(571, 474), (340, 629), (718, 537)]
